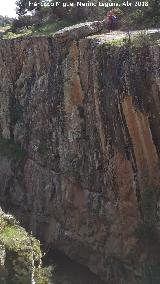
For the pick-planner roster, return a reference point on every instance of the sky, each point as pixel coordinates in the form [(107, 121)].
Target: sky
[(7, 8)]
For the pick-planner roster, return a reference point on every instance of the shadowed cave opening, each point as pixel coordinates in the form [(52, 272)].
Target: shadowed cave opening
[(67, 271)]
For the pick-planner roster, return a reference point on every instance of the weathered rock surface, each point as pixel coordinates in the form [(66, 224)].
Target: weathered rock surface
[(85, 175)]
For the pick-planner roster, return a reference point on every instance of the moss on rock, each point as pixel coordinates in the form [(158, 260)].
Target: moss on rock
[(20, 254)]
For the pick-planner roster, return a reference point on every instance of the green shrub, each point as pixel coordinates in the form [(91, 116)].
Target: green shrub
[(142, 39), (43, 274), (21, 22)]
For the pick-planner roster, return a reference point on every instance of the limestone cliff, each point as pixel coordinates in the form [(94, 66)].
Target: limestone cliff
[(80, 148)]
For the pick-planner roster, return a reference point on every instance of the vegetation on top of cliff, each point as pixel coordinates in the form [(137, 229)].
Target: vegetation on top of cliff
[(135, 14), (46, 20), (140, 39), (113, 42), (5, 24), (5, 21), (48, 28)]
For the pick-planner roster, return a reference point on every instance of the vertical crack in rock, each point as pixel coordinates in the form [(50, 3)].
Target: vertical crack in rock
[(130, 155)]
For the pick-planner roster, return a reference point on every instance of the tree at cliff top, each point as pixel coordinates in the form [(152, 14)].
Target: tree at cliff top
[(70, 11), (5, 21), (24, 6), (129, 17)]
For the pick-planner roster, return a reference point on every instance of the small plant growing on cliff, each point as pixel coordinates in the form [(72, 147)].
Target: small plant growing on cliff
[(43, 274)]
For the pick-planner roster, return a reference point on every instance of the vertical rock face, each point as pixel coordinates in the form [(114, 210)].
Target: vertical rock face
[(80, 146)]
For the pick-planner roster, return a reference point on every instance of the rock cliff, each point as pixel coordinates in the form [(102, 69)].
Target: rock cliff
[(80, 148)]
